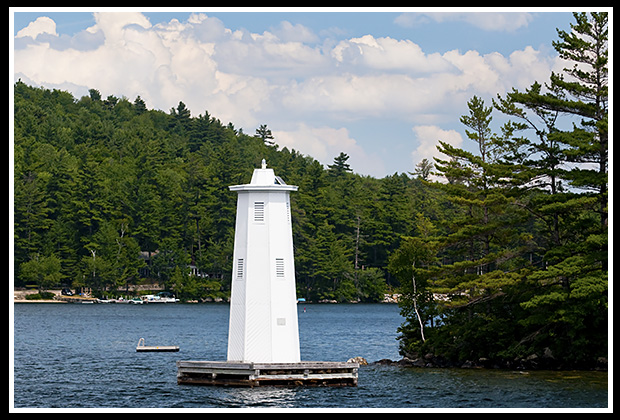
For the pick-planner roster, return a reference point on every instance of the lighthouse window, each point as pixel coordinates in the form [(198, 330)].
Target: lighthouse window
[(259, 211), (279, 267), (240, 268)]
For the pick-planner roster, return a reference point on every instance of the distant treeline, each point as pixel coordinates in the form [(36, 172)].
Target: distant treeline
[(109, 193)]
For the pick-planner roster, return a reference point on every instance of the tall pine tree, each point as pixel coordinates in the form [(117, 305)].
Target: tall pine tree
[(569, 311)]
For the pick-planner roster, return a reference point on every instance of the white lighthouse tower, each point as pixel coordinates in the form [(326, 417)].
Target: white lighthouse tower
[(263, 305), (263, 336)]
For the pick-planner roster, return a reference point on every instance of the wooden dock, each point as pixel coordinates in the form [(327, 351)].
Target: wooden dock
[(157, 348), (249, 374)]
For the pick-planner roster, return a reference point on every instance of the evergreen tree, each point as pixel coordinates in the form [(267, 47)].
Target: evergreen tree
[(340, 165), (473, 263), (265, 135), (522, 267), (423, 169), (571, 305), (139, 105)]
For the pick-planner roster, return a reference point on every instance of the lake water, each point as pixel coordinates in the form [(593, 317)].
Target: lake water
[(84, 356)]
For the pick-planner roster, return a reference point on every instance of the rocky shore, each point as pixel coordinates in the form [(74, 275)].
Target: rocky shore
[(19, 296), (532, 362)]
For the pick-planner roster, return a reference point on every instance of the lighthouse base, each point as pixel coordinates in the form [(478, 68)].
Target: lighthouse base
[(250, 374)]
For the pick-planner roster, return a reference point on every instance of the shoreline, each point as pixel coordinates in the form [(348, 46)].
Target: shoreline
[(38, 301), (19, 296), (529, 364)]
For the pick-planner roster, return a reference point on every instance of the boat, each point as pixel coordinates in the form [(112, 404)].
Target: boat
[(161, 297)]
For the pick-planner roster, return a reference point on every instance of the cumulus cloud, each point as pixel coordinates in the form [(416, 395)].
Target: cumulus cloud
[(428, 137), (287, 32), (43, 25), (283, 77), (386, 54), (325, 143)]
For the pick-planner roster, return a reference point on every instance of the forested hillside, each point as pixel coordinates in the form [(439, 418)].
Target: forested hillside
[(504, 258), (109, 193)]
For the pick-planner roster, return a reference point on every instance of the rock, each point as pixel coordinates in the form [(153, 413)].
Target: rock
[(386, 362), (360, 360), (405, 361), (547, 354), (484, 362), (419, 363), (534, 361)]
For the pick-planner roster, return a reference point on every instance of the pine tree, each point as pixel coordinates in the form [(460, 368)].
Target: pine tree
[(569, 311), (265, 135), (465, 269), (340, 165), (423, 169)]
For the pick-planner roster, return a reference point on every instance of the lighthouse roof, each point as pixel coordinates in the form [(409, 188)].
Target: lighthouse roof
[(264, 178)]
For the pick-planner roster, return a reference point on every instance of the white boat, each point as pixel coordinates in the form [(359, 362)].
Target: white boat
[(161, 297)]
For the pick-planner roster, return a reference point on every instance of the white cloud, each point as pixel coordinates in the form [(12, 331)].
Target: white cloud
[(119, 27), (428, 137), (386, 54), (325, 143), (282, 77), (43, 25), (287, 32)]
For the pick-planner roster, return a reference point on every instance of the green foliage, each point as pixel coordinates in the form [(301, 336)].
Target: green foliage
[(521, 267), (40, 296), (42, 271), (121, 194)]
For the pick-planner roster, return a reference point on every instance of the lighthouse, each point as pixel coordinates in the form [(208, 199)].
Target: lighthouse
[(263, 336), (263, 303)]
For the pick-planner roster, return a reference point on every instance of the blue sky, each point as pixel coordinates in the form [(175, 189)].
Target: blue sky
[(382, 85)]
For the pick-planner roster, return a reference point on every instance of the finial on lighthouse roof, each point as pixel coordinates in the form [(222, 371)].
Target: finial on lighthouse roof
[(264, 179)]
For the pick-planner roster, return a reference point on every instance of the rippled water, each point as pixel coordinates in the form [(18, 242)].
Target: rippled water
[(84, 356)]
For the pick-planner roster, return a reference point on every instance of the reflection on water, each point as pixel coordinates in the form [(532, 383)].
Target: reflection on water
[(260, 397)]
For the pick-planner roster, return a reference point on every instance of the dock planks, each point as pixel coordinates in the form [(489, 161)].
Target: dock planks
[(250, 374), (157, 348)]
